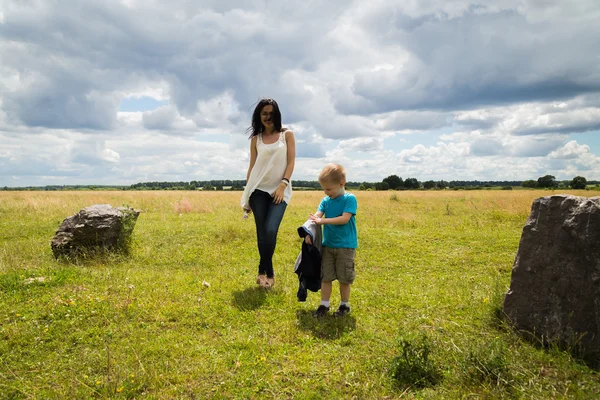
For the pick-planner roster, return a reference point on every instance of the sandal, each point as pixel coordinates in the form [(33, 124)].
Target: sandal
[(261, 280), (270, 283)]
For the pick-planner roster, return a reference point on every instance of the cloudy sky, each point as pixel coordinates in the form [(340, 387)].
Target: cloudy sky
[(127, 91)]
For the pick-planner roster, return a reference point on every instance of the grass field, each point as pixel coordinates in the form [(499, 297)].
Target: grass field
[(181, 316)]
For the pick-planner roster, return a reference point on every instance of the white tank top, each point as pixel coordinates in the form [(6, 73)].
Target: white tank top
[(268, 169)]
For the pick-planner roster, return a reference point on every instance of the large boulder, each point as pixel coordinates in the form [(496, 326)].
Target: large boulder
[(554, 291), (98, 227)]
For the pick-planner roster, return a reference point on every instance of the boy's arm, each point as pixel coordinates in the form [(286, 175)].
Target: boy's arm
[(312, 217), (341, 220)]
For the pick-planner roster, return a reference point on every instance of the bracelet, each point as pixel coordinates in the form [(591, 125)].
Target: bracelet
[(285, 181)]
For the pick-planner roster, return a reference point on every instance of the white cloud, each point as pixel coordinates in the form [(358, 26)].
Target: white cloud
[(433, 90), (571, 150)]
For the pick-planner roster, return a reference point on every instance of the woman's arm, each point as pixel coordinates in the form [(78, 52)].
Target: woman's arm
[(253, 154), (291, 155), (291, 161)]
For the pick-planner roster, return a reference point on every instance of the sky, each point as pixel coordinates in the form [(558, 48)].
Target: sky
[(125, 91)]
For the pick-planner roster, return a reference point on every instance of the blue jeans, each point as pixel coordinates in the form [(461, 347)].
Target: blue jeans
[(267, 216)]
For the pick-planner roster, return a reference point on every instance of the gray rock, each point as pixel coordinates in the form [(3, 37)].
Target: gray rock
[(554, 291), (96, 227)]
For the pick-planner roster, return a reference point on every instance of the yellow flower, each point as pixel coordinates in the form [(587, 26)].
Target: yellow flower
[(119, 390), (486, 300), (98, 382)]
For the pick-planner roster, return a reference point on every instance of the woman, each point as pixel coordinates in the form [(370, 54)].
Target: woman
[(268, 181)]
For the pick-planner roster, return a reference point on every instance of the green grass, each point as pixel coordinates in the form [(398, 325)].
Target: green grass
[(181, 316)]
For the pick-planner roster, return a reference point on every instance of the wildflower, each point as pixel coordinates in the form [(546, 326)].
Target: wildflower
[(119, 390), (486, 300)]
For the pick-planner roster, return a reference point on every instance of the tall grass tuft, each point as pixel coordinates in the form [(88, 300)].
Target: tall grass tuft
[(489, 364), (183, 206)]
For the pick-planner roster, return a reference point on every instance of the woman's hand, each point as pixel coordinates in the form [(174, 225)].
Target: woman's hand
[(307, 239), (278, 194)]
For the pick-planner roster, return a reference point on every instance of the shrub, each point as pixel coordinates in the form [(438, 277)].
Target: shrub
[(413, 367)]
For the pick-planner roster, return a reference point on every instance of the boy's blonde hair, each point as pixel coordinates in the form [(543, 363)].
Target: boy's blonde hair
[(333, 173)]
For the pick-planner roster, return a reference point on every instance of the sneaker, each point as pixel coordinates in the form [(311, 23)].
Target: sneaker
[(321, 311), (343, 310)]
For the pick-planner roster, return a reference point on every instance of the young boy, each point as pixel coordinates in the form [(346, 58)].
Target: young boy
[(337, 215)]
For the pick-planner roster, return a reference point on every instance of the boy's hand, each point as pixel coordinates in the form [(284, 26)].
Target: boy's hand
[(317, 220), (307, 239)]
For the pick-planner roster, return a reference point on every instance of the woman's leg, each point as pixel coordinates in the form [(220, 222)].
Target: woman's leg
[(274, 217), (259, 202)]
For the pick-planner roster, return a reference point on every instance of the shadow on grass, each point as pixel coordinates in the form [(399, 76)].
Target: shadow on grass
[(573, 345), (327, 327), (249, 299), (90, 256)]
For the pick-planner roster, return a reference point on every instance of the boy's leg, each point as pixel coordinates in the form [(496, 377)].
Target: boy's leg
[(325, 295), (327, 276), (346, 273), (326, 288), (344, 292)]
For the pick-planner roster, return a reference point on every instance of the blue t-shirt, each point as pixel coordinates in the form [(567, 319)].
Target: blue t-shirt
[(340, 236)]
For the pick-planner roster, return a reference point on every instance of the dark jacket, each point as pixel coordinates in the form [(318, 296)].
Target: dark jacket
[(308, 263)]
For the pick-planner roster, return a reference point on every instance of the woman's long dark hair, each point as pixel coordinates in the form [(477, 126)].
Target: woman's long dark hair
[(257, 126)]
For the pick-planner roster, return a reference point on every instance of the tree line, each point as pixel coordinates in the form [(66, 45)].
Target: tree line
[(392, 182), (395, 182)]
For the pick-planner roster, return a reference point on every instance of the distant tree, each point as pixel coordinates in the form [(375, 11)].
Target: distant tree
[(442, 184), (362, 187), (219, 187), (429, 184), (394, 182), (579, 182), (237, 186), (529, 184), (382, 186), (208, 186), (547, 181), (412, 183)]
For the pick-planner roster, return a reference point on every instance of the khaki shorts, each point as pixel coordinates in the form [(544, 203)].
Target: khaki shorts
[(338, 264)]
